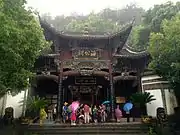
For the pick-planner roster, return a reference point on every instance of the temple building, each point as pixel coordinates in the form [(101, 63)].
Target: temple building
[(90, 67)]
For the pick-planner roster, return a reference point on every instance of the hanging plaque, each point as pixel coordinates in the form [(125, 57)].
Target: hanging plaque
[(86, 53), (85, 80), (120, 100)]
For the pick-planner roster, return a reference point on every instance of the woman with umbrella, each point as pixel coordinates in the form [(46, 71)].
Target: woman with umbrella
[(74, 107), (127, 108), (107, 109)]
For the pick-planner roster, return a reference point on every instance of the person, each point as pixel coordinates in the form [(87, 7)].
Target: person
[(86, 113), (108, 111), (81, 117), (73, 118), (74, 107), (50, 112), (95, 114), (127, 108), (103, 113), (54, 112), (118, 113), (69, 112), (65, 112), (43, 116)]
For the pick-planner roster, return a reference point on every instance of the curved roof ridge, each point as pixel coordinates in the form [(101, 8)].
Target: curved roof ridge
[(131, 50), (124, 28)]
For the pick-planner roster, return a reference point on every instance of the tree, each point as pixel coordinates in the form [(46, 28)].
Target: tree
[(21, 41), (124, 15), (141, 99), (107, 20), (155, 16), (95, 24), (139, 38), (165, 51), (152, 23), (34, 103)]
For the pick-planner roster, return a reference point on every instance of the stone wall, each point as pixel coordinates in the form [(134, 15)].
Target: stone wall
[(2, 105), (164, 95), (13, 101)]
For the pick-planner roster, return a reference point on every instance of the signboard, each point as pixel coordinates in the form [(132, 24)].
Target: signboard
[(86, 53), (85, 80), (120, 100)]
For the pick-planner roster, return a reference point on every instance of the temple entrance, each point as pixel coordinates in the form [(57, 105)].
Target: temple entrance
[(123, 91), (88, 89), (125, 88)]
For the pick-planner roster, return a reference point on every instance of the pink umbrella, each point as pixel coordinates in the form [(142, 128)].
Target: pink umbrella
[(74, 106)]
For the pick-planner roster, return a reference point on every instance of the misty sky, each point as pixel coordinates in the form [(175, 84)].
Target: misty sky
[(66, 7)]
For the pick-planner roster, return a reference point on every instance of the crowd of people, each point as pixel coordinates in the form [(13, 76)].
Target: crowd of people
[(85, 113), (77, 113)]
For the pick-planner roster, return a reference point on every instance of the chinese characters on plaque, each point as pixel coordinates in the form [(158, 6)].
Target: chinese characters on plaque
[(85, 80), (86, 53)]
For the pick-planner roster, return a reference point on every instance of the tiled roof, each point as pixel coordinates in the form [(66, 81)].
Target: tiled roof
[(90, 36)]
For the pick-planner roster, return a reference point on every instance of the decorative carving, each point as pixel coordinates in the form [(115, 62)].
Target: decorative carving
[(125, 73), (84, 89), (161, 116), (46, 72), (86, 72), (84, 65), (79, 65)]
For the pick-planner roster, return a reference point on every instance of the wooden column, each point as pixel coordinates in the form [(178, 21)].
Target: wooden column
[(139, 82), (112, 92), (107, 92), (63, 93), (59, 103), (92, 94)]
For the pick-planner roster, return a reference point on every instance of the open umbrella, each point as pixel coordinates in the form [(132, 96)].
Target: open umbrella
[(74, 106), (127, 107), (106, 102)]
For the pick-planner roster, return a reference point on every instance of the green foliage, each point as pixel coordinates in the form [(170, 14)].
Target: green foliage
[(95, 24), (155, 16), (21, 40), (152, 23), (140, 37), (142, 99), (107, 20), (35, 103), (151, 131), (165, 51)]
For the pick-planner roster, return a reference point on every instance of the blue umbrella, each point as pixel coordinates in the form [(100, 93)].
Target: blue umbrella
[(106, 102), (127, 107)]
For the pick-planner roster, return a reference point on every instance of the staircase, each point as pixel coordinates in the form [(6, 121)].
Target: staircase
[(89, 129)]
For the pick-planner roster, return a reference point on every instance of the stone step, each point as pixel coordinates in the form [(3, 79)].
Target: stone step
[(91, 129)]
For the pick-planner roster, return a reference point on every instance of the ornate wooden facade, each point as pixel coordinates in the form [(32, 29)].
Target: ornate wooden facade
[(85, 55)]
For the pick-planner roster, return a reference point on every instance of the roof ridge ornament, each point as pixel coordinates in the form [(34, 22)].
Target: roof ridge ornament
[(86, 30)]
